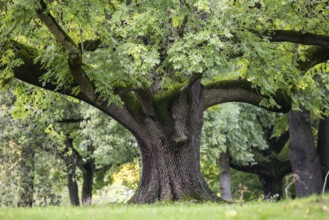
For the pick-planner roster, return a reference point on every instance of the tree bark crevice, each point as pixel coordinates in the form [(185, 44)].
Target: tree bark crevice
[(170, 152)]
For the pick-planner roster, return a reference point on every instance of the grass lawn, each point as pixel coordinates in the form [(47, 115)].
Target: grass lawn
[(311, 208)]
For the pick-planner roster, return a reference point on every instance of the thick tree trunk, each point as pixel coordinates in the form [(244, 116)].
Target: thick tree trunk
[(170, 148), (26, 167), (225, 177), (323, 146), (72, 183), (303, 155), (88, 180)]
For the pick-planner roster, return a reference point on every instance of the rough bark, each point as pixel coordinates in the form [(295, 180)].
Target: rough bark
[(323, 146), (303, 156), (26, 167), (225, 177), (170, 151), (88, 180)]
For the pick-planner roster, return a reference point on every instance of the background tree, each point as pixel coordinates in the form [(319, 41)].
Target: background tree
[(242, 137), (22, 159)]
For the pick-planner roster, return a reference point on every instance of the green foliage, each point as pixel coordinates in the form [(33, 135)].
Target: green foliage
[(20, 131), (171, 39), (219, 39), (111, 142), (233, 128), (35, 120), (245, 186)]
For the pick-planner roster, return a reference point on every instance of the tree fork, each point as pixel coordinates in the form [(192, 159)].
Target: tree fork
[(170, 152)]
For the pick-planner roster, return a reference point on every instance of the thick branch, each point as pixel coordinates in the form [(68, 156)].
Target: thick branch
[(60, 35), (298, 37), (313, 56), (30, 72), (241, 91), (75, 58), (282, 168)]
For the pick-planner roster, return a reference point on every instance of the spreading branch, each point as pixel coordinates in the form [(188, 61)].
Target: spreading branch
[(297, 37), (241, 91), (313, 56), (264, 168), (75, 57), (31, 71)]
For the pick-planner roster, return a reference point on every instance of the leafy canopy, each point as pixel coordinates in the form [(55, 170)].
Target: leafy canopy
[(173, 40)]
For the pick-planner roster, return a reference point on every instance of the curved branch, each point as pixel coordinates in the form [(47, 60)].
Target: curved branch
[(298, 37), (240, 91), (30, 72), (313, 56), (282, 168)]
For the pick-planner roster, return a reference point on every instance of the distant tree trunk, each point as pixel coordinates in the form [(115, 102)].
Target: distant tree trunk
[(272, 186), (170, 147), (224, 177), (323, 146), (72, 182), (303, 155), (26, 167), (270, 175), (88, 180)]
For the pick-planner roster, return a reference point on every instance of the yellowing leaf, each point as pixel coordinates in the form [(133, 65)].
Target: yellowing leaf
[(176, 21)]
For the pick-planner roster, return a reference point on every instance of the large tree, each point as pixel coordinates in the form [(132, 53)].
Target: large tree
[(155, 66)]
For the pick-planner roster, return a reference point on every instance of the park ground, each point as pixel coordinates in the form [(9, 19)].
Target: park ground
[(310, 208)]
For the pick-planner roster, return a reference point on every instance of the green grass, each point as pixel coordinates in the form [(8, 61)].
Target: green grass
[(310, 208)]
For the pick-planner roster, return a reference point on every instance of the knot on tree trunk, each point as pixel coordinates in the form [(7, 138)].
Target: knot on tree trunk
[(181, 140)]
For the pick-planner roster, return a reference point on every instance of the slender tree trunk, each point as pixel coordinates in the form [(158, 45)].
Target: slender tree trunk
[(26, 167), (323, 146), (72, 183), (304, 159), (88, 180), (225, 177), (272, 186), (170, 149)]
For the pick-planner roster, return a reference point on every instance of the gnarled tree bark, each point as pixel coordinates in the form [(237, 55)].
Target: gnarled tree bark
[(170, 144)]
